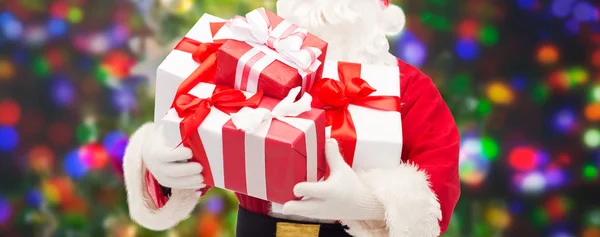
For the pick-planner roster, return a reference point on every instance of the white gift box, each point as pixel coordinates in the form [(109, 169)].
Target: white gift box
[(379, 133), (178, 65)]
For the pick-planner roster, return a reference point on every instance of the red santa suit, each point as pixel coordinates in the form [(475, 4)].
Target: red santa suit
[(418, 196)]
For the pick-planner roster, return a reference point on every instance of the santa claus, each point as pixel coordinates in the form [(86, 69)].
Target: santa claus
[(416, 198)]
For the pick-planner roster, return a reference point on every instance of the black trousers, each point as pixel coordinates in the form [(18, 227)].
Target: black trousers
[(251, 224)]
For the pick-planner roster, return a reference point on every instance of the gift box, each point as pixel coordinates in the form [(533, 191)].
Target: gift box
[(362, 104), (262, 152), (269, 53), (187, 61)]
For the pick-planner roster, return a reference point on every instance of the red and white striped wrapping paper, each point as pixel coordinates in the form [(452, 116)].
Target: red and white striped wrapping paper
[(269, 53), (266, 163)]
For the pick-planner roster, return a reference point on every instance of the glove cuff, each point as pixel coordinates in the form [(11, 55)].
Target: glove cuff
[(141, 207)]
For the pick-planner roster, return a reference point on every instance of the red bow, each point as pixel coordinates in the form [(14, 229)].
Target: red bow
[(194, 110), (335, 97), (206, 55)]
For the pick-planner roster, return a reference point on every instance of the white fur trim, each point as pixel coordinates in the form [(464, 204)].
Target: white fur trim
[(412, 208), (141, 208), (394, 19)]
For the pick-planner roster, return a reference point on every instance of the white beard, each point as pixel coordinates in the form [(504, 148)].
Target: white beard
[(353, 28)]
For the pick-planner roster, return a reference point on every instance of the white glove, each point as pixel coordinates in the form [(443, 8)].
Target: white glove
[(170, 165), (342, 196)]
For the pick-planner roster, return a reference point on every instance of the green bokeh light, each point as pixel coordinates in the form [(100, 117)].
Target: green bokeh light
[(591, 138), (490, 148), (484, 108), (488, 36), (540, 93), (590, 172), (41, 67), (594, 94)]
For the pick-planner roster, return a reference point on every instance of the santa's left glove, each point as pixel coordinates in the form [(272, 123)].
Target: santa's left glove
[(343, 196), (148, 151)]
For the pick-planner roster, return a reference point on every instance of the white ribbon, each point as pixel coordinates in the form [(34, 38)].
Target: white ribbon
[(286, 39), (256, 124), (252, 120)]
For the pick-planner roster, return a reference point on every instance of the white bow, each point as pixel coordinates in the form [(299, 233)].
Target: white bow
[(259, 119), (286, 38)]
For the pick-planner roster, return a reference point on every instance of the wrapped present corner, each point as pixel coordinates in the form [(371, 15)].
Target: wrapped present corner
[(194, 56), (269, 53), (261, 151), (362, 106)]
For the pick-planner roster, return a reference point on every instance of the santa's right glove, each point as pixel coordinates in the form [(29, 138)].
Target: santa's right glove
[(148, 153), (170, 165)]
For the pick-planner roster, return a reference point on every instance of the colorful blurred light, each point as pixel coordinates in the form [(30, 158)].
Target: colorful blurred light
[(118, 63), (467, 49), (59, 9), (578, 75), (34, 198), (473, 166), (467, 29), (590, 172), (75, 15), (548, 54), (94, 156), (5, 211), (497, 217), (74, 165), (57, 27), (115, 143), (209, 225), (539, 217), (523, 158), (594, 94), (11, 28), (591, 138), (9, 138), (584, 11), (41, 159), (41, 67), (592, 218), (555, 177), (36, 35), (62, 92), (484, 107), (10, 111), (500, 93), (565, 120), (557, 207), (7, 70), (592, 112), (410, 49), (124, 99), (86, 132), (215, 205), (533, 183), (488, 35), (527, 4), (562, 8), (591, 232)]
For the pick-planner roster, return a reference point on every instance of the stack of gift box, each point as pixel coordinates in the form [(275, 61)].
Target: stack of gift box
[(254, 99)]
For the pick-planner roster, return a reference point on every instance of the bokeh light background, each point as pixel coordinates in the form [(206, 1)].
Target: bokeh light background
[(522, 78)]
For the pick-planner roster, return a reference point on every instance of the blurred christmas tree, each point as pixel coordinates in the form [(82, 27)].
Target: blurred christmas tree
[(76, 77)]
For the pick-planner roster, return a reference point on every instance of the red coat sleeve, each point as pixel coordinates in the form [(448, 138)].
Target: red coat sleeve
[(431, 139)]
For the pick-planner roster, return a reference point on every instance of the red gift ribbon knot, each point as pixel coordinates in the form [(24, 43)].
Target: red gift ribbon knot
[(335, 97), (194, 110)]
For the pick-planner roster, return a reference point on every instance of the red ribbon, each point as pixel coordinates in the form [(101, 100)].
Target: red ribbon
[(335, 97), (194, 110), (206, 55)]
